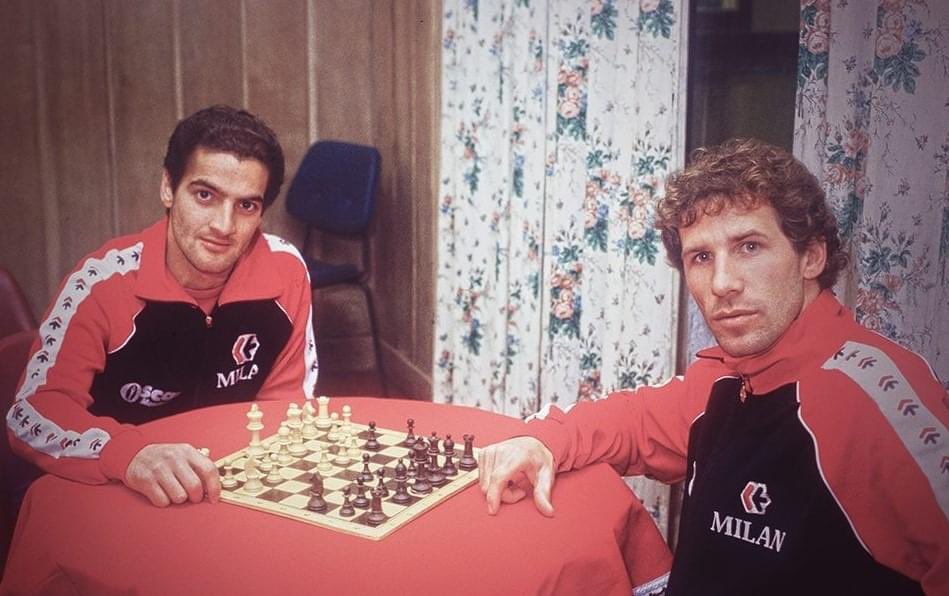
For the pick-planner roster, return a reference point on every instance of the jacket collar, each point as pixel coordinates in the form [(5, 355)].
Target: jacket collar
[(810, 340), (253, 278)]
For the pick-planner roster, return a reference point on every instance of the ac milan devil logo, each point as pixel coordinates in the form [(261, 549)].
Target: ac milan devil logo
[(245, 348)]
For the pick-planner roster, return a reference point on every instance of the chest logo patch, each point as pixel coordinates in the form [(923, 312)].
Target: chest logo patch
[(754, 498), (245, 348)]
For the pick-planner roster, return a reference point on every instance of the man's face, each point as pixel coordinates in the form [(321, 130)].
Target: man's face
[(214, 213), (746, 277)]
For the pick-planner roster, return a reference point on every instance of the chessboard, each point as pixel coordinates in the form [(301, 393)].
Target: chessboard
[(318, 469)]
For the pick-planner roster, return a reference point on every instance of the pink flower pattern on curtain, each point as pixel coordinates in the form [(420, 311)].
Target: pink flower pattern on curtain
[(872, 123), (560, 120)]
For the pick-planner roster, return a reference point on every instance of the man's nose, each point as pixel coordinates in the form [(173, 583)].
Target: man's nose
[(726, 278), (222, 221)]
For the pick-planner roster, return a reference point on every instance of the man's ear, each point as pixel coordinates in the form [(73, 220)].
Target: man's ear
[(166, 192), (814, 259)]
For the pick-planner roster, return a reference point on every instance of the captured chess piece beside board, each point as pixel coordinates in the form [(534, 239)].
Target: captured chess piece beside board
[(324, 469)]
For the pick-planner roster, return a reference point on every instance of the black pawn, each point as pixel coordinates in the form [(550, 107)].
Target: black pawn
[(449, 469), (448, 446), (468, 461), (410, 436), (366, 474), (401, 472), (381, 473), (433, 444), (376, 516), (413, 469), (401, 495), (372, 443), (347, 510), (361, 501)]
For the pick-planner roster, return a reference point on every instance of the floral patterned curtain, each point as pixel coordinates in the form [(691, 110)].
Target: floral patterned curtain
[(873, 124), (560, 120)]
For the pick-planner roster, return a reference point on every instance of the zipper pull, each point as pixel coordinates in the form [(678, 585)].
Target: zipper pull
[(745, 389), (208, 322)]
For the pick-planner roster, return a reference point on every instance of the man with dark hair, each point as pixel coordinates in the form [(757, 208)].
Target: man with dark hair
[(199, 309), (813, 450)]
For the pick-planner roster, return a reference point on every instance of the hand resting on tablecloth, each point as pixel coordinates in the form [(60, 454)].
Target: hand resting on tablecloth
[(512, 469), (169, 473)]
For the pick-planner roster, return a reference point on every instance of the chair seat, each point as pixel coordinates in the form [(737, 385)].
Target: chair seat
[(323, 274)]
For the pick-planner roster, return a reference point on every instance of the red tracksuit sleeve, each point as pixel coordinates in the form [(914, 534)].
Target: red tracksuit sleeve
[(642, 432), (49, 423), (295, 371)]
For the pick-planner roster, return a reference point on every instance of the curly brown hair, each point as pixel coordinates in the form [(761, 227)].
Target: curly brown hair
[(744, 173)]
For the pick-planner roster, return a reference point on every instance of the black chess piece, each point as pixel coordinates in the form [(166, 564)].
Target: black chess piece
[(449, 469), (361, 501), (433, 444), (410, 436), (422, 485), (347, 510), (376, 516), (468, 461), (413, 469), (401, 472), (401, 495), (448, 446), (372, 443), (366, 474), (381, 473), (420, 451), (316, 502), (435, 475)]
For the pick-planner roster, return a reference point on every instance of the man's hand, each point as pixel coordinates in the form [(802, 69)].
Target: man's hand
[(510, 468), (173, 473)]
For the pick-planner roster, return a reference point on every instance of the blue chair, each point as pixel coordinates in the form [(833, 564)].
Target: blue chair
[(334, 192)]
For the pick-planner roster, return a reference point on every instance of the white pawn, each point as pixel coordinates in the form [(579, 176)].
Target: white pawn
[(229, 481), (342, 456), (333, 434), (354, 451), (283, 438), (273, 478)]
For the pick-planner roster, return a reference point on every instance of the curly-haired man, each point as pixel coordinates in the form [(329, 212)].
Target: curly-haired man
[(812, 450)]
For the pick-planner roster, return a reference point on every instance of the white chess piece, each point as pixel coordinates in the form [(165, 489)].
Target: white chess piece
[(309, 421), (284, 440), (325, 464), (323, 416), (296, 447), (228, 481), (252, 484), (347, 419), (254, 425)]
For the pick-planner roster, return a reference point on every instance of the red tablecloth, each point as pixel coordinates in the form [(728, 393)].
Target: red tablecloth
[(75, 538)]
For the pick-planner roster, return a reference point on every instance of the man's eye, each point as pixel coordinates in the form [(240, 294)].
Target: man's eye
[(701, 257), (204, 195), (751, 246), (248, 206)]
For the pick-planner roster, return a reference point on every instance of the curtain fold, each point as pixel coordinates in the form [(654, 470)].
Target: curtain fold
[(560, 120), (872, 123)]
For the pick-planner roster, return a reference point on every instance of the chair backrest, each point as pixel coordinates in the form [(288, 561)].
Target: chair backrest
[(334, 189), (15, 313)]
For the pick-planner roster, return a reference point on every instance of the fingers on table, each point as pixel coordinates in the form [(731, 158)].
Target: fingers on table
[(173, 474)]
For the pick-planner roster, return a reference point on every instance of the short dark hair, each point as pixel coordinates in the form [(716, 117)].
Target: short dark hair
[(228, 129), (746, 173)]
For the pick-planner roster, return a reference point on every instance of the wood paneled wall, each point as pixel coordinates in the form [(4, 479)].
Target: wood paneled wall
[(92, 89)]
